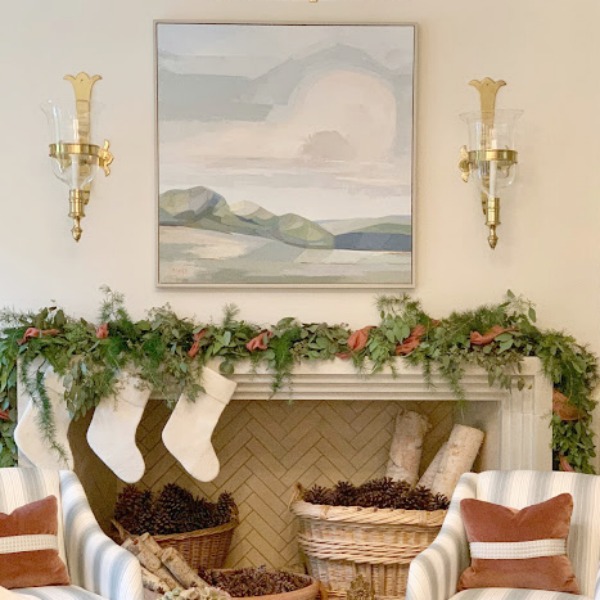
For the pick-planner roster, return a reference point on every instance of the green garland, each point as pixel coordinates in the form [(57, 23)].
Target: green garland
[(169, 353)]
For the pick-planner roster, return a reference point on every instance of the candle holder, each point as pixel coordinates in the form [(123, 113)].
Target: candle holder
[(489, 156), (75, 158)]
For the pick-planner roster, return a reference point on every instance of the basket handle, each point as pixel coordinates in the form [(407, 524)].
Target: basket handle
[(297, 494), (123, 533)]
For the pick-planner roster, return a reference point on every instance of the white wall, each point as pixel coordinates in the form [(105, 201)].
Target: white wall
[(546, 50)]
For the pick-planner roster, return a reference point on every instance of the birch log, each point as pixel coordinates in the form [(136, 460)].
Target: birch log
[(210, 593), (130, 546), (460, 454), (181, 570), (190, 594), (147, 541), (150, 561), (165, 575), (153, 583), (407, 445), (429, 475)]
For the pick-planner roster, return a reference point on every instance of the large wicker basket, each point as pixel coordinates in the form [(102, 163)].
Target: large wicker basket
[(341, 542), (206, 548)]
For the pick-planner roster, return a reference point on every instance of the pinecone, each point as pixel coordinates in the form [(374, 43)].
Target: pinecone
[(344, 494), (202, 514), (381, 493), (225, 508), (440, 502), (133, 510), (421, 498), (172, 510), (254, 581), (317, 495), (401, 491)]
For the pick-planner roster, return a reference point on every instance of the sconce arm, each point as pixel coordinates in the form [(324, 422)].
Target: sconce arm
[(105, 157), (102, 156), (464, 165)]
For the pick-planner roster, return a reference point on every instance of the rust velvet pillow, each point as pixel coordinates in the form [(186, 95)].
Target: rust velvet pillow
[(519, 548), (29, 546)]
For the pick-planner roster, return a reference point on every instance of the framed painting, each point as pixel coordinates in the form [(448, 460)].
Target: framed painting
[(285, 155)]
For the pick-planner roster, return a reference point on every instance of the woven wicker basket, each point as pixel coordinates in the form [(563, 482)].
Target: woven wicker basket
[(206, 548), (341, 542)]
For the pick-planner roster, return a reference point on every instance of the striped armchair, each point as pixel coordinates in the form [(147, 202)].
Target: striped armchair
[(98, 567), (434, 573)]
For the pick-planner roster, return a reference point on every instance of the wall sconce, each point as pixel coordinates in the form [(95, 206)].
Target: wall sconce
[(490, 156), (75, 157)]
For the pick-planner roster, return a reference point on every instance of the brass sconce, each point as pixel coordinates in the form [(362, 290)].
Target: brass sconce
[(490, 157), (75, 158)]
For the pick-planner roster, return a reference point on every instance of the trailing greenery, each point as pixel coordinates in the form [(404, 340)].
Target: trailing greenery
[(168, 352)]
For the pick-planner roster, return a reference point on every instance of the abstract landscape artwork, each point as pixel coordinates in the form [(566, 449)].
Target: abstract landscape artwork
[(285, 155)]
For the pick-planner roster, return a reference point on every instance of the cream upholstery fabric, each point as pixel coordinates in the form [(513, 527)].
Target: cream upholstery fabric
[(98, 567), (434, 573)]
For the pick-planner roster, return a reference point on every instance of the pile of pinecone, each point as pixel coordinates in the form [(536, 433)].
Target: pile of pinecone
[(172, 510), (381, 493), (254, 581)]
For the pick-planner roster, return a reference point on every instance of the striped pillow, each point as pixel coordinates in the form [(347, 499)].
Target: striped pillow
[(519, 548), (29, 546)]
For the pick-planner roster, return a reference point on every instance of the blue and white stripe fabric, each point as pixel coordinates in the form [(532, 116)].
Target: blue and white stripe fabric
[(95, 562), (98, 567), (433, 574), (58, 592)]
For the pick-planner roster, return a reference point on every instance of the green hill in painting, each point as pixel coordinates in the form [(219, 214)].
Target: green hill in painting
[(202, 208)]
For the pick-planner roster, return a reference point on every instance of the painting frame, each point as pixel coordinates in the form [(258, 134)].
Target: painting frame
[(387, 228)]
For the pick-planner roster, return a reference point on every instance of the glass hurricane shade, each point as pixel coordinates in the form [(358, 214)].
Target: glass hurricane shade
[(492, 134), (66, 126)]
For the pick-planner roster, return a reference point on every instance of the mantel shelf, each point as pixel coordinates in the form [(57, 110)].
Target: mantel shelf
[(339, 380), (520, 426)]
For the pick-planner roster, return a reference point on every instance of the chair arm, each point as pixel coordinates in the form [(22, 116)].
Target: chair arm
[(433, 574), (95, 562)]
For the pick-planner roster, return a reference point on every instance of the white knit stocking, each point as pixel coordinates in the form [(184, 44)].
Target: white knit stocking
[(111, 434), (190, 427), (30, 440)]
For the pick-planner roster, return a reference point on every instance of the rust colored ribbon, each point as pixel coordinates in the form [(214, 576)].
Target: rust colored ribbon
[(195, 347), (477, 339), (260, 341), (564, 464), (34, 332), (102, 331), (412, 342), (358, 340), (562, 407)]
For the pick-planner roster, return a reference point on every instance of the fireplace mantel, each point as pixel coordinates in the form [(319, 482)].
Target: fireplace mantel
[(517, 426)]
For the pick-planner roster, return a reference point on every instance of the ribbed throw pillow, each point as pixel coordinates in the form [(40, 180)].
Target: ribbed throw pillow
[(29, 546), (519, 548)]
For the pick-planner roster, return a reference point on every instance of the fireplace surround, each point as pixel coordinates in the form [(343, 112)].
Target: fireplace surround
[(331, 424)]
